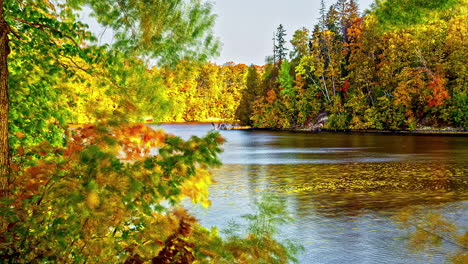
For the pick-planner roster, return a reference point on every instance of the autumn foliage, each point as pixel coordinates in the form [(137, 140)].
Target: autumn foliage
[(106, 188), (102, 187), (362, 72), (82, 179)]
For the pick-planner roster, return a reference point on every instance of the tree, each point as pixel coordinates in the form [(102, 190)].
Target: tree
[(323, 16), (165, 30), (300, 42), (331, 20), (280, 49), (428, 231), (347, 12), (4, 104), (402, 13), (208, 92), (327, 59), (180, 85), (55, 37), (233, 80), (80, 190), (362, 54), (249, 93), (175, 32), (288, 92)]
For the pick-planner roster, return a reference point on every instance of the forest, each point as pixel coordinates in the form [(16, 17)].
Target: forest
[(79, 178), (368, 72), (399, 66)]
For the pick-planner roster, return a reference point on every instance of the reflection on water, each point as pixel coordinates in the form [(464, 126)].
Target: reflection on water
[(343, 189)]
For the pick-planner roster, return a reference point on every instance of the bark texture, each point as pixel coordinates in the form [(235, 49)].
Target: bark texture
[(4, 104)]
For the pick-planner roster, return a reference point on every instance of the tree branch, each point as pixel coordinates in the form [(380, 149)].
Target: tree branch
[(42, 27), (16, 34), (76, 64), (119, 2)]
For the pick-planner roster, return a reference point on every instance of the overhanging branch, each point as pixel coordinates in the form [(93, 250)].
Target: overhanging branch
[(42, 27)]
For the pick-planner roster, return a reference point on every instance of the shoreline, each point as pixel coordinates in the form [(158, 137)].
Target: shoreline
[(417, 132), (420, 132), (231, 126)]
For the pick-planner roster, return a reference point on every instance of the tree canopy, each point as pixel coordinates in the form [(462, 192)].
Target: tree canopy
[(396, 67)]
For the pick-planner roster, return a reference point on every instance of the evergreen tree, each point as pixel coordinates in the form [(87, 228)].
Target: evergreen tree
[(251, 91), (323, 16), (331, 19), (280, 49)]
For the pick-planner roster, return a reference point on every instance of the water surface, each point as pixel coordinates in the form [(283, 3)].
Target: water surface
[(344, 190)]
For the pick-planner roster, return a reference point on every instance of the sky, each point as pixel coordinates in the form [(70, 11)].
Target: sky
[(246, 27)]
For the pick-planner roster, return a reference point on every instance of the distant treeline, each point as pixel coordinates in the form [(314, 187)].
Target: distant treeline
[(361, 72)]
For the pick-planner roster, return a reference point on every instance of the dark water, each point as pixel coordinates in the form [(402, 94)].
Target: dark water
[(344, 190)]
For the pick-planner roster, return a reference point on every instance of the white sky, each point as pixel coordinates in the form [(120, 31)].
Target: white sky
[(245, 27)]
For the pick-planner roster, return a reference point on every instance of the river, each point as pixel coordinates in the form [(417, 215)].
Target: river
[(344, 190)]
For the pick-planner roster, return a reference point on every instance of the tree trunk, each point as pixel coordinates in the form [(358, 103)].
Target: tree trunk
[(4, 104)]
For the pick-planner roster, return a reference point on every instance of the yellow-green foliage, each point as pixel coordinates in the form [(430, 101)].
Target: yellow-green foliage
[(201, 92)]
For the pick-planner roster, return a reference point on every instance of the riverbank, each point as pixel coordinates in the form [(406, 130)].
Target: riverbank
[(229, 125), (427, 132)]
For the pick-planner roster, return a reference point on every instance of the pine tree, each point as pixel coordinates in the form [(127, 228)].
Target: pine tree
[(280, 48), (323, 16), (331, 19)]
